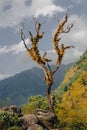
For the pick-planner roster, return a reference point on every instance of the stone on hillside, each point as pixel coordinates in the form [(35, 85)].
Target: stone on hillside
[(46, 118), (35, 127), (13, 109), (29, 120)]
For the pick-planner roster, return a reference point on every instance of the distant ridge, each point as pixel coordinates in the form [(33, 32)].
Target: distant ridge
[(18, 88)]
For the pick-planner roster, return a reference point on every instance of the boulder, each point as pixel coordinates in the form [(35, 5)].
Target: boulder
[(46, 118), (35, 127), (28, 121), (13, 109)]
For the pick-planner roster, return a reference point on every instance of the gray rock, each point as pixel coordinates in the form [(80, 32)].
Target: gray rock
[(13, 109), (35, 127), (28, 121), (46, 118)]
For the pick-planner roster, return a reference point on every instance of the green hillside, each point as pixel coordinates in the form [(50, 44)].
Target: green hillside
[(71, 97), (72, 75)]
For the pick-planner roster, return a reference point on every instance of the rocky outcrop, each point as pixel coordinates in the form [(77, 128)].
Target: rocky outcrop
[(13, 109), (30, 122), (46, 119), (42, 120)]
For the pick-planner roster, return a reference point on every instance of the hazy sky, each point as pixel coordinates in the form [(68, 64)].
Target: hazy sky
[(15, 13)]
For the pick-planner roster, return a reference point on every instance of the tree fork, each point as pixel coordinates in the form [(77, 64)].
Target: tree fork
[(50, 98), (42, 60)]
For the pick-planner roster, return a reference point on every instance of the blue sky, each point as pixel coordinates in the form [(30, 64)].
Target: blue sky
[(13, 13)]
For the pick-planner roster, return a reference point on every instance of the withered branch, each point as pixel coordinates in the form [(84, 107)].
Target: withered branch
[(68, 28), (31, 36), (42, 60), (34, 51), (60, 50), (23, 39)]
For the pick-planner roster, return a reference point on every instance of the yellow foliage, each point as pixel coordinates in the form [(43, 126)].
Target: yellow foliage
[(70, 73), (29, 108), (72, 111)]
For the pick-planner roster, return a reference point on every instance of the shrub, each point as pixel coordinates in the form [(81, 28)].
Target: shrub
[(34, 103), (14, 128), (7, 120)]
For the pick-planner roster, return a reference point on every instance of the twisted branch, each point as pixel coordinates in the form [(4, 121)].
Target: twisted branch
[(60, 51), (42, 60)]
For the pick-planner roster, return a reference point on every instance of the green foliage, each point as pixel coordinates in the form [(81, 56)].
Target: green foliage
[(84, 67), (81, 66), (35, 102), (14, 128), (66, 86), (82, 63), (82, 58), (8, 120)]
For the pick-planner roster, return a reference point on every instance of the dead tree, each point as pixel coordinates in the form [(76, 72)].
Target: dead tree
[(42, 60)]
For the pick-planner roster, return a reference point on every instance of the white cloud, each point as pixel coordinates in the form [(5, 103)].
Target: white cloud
[(2, 49), (70, 55), (13, 15), (15, 11), (77, 35), (14, 49), (48, 10), (3, 76)]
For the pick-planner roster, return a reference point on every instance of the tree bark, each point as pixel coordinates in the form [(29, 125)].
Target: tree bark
[(50, 98)]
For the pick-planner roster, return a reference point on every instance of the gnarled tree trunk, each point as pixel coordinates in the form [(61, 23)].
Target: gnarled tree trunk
[(42, 60)]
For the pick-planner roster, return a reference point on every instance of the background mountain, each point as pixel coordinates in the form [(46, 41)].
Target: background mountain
[(18, 88)]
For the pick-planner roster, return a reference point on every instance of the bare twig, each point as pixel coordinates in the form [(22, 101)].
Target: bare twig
[(23, 39)]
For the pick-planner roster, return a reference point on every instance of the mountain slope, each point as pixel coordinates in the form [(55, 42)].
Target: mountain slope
[(73, 74), (71, 97), (18, 88)]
